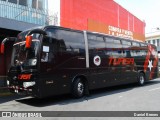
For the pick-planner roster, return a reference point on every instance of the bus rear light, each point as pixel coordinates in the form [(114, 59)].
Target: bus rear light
[(2, 48), (24, 77), (28, 41)]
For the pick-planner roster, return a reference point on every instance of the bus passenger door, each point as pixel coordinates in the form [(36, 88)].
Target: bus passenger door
[(48, 62)]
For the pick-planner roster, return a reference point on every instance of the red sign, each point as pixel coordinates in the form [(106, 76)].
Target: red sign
[(24, 76)]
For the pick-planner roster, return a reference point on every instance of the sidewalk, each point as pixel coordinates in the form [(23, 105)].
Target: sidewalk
[(4, 91), (3, 88)]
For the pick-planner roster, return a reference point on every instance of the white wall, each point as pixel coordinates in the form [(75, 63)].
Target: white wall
[(54, 11)]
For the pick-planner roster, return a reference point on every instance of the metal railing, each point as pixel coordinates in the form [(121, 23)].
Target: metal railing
[(24, 13)]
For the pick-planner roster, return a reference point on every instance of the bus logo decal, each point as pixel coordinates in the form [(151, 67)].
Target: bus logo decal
[(97, 60), (24, 76), (150, 65)]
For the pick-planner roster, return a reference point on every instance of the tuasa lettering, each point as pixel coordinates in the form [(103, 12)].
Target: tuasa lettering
[(121, 61)]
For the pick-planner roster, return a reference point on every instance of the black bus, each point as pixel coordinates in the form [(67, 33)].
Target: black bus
[(53, 60)]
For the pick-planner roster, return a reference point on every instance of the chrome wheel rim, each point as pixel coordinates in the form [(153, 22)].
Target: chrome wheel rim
[(141, 79), (80, 88)]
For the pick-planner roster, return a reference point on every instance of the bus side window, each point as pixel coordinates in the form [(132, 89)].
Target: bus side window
[(114, 46), (126, 48), (61, 46), (70, 42), (96, 45)]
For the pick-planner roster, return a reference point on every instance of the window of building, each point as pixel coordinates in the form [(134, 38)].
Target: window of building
[(34, 4), (37, 4), (113, 47), (149, 41), (154, 42), (13, 1), (158, 42), (23, 2), (40, 4)]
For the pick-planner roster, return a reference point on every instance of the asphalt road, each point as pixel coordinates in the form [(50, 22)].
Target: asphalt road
[(119, 98)]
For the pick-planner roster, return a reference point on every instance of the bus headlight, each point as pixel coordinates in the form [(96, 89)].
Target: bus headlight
[(8, 82), (28, 84)]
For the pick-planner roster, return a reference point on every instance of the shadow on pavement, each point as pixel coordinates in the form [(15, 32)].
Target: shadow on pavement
[(6, 95), (7, 98), (67, 99)]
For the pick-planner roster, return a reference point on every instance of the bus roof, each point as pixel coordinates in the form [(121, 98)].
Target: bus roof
[(70, 29)]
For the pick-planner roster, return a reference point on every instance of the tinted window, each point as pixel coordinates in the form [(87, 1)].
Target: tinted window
[(126, 44), (136, 53), (114, 47), (135, 44), (96, 44), (143, 45), (69, 41), (113, 43), (49, 49), (73, 41)]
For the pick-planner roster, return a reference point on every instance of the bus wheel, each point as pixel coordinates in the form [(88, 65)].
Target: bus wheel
[(78, 88), (141, 79)]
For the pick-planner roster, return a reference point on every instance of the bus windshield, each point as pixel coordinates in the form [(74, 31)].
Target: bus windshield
[(22, 56)]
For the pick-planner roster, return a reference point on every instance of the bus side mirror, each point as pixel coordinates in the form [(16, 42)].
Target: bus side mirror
[(2, 48), (28, 41)]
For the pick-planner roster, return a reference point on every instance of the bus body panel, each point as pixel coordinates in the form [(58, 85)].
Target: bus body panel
[(101, 60)]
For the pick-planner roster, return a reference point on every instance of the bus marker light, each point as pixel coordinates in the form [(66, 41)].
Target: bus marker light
[(8, 82), (2, 48), (28, 41)]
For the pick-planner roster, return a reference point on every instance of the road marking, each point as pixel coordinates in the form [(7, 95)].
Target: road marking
[(154, 89)]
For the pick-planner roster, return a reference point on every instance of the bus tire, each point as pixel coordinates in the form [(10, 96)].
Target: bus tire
[(141, 79), (78, 88)]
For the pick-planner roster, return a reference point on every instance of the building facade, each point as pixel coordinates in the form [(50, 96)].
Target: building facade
[(105, 16), (28, 11), (16, 16), (154, 38)]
